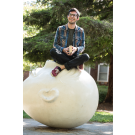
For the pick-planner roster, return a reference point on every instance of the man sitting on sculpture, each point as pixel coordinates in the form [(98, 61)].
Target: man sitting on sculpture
[(69, 36)]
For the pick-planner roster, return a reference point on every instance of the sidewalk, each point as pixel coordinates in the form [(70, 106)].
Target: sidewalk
[(32, 127)]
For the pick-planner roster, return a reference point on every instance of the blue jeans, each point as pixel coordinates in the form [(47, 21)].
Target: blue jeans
[(69, 61)]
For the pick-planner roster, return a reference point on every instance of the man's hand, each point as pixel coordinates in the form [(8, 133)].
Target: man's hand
[(66, 50), (74, 49)]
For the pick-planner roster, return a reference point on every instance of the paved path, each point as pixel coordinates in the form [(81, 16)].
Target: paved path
[(32, 127)]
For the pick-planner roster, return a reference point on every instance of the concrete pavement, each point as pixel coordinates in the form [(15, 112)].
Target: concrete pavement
[(32, 127)]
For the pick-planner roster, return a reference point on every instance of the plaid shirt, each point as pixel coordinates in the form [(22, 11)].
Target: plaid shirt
[(60, 41)]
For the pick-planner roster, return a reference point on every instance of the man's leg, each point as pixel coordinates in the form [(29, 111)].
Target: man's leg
[(67, 62), (59, 57), (80, 59)]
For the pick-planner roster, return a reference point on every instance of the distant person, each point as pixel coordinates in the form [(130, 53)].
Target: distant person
[(66, 35)]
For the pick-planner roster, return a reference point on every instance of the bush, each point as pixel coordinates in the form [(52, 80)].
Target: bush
[(102, 92)]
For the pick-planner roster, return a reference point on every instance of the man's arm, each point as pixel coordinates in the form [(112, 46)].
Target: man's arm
[(56, 43), (81, 48)]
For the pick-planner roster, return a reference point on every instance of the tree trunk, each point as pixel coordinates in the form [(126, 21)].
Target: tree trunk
[(109, 96)]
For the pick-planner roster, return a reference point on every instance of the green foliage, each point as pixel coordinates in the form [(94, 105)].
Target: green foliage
[(99, 39), (44, 18), (55, 12), (102, 89), (37, 17), (30, 31), (102, 9), (26, 65), (102, 117), (98, 42), (38, 47), (48, 15)]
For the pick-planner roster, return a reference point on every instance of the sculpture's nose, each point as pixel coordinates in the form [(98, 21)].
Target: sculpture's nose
[(49, 95)]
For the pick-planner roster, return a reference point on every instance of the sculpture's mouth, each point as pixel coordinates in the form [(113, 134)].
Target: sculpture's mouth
[(49, 95)]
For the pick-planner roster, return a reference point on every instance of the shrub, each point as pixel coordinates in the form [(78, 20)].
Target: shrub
[(102, 92)]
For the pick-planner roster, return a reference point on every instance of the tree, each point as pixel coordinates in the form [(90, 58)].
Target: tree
[(109, 96), (98, 42), (99, 34)]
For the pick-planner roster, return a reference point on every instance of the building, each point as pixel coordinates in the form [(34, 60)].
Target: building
[(100, 73)]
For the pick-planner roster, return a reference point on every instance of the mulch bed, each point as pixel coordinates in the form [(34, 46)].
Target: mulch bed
[(105, 106)]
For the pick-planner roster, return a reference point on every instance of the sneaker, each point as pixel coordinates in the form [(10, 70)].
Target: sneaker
[(80, 67), (56, 71)]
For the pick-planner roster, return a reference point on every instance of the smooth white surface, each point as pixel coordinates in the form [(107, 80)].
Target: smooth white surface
[(65, 101)]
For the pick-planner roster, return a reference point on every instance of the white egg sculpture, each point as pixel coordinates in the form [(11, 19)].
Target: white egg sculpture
[(66, 101)]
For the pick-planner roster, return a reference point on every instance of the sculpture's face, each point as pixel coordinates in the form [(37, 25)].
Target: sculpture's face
[(72, 96)]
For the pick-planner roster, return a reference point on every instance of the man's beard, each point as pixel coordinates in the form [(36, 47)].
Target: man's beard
[(72, 22)]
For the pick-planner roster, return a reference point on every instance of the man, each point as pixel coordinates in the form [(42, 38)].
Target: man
[(69, 34)]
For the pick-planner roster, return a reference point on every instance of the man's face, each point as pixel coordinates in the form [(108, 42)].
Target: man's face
[(72, 17)]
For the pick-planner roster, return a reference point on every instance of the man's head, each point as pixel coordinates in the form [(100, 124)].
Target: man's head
[(76, 10), (73, 15)]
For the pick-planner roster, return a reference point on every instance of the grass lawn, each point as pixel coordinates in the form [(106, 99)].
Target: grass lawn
[(102, 117), (25, 115)]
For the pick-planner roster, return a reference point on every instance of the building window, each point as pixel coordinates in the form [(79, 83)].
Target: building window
[(103, 72)]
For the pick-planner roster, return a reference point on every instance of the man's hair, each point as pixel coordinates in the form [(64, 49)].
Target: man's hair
[(76, 10)]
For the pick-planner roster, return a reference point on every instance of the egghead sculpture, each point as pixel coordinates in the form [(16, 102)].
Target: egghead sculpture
[(65, 101)]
